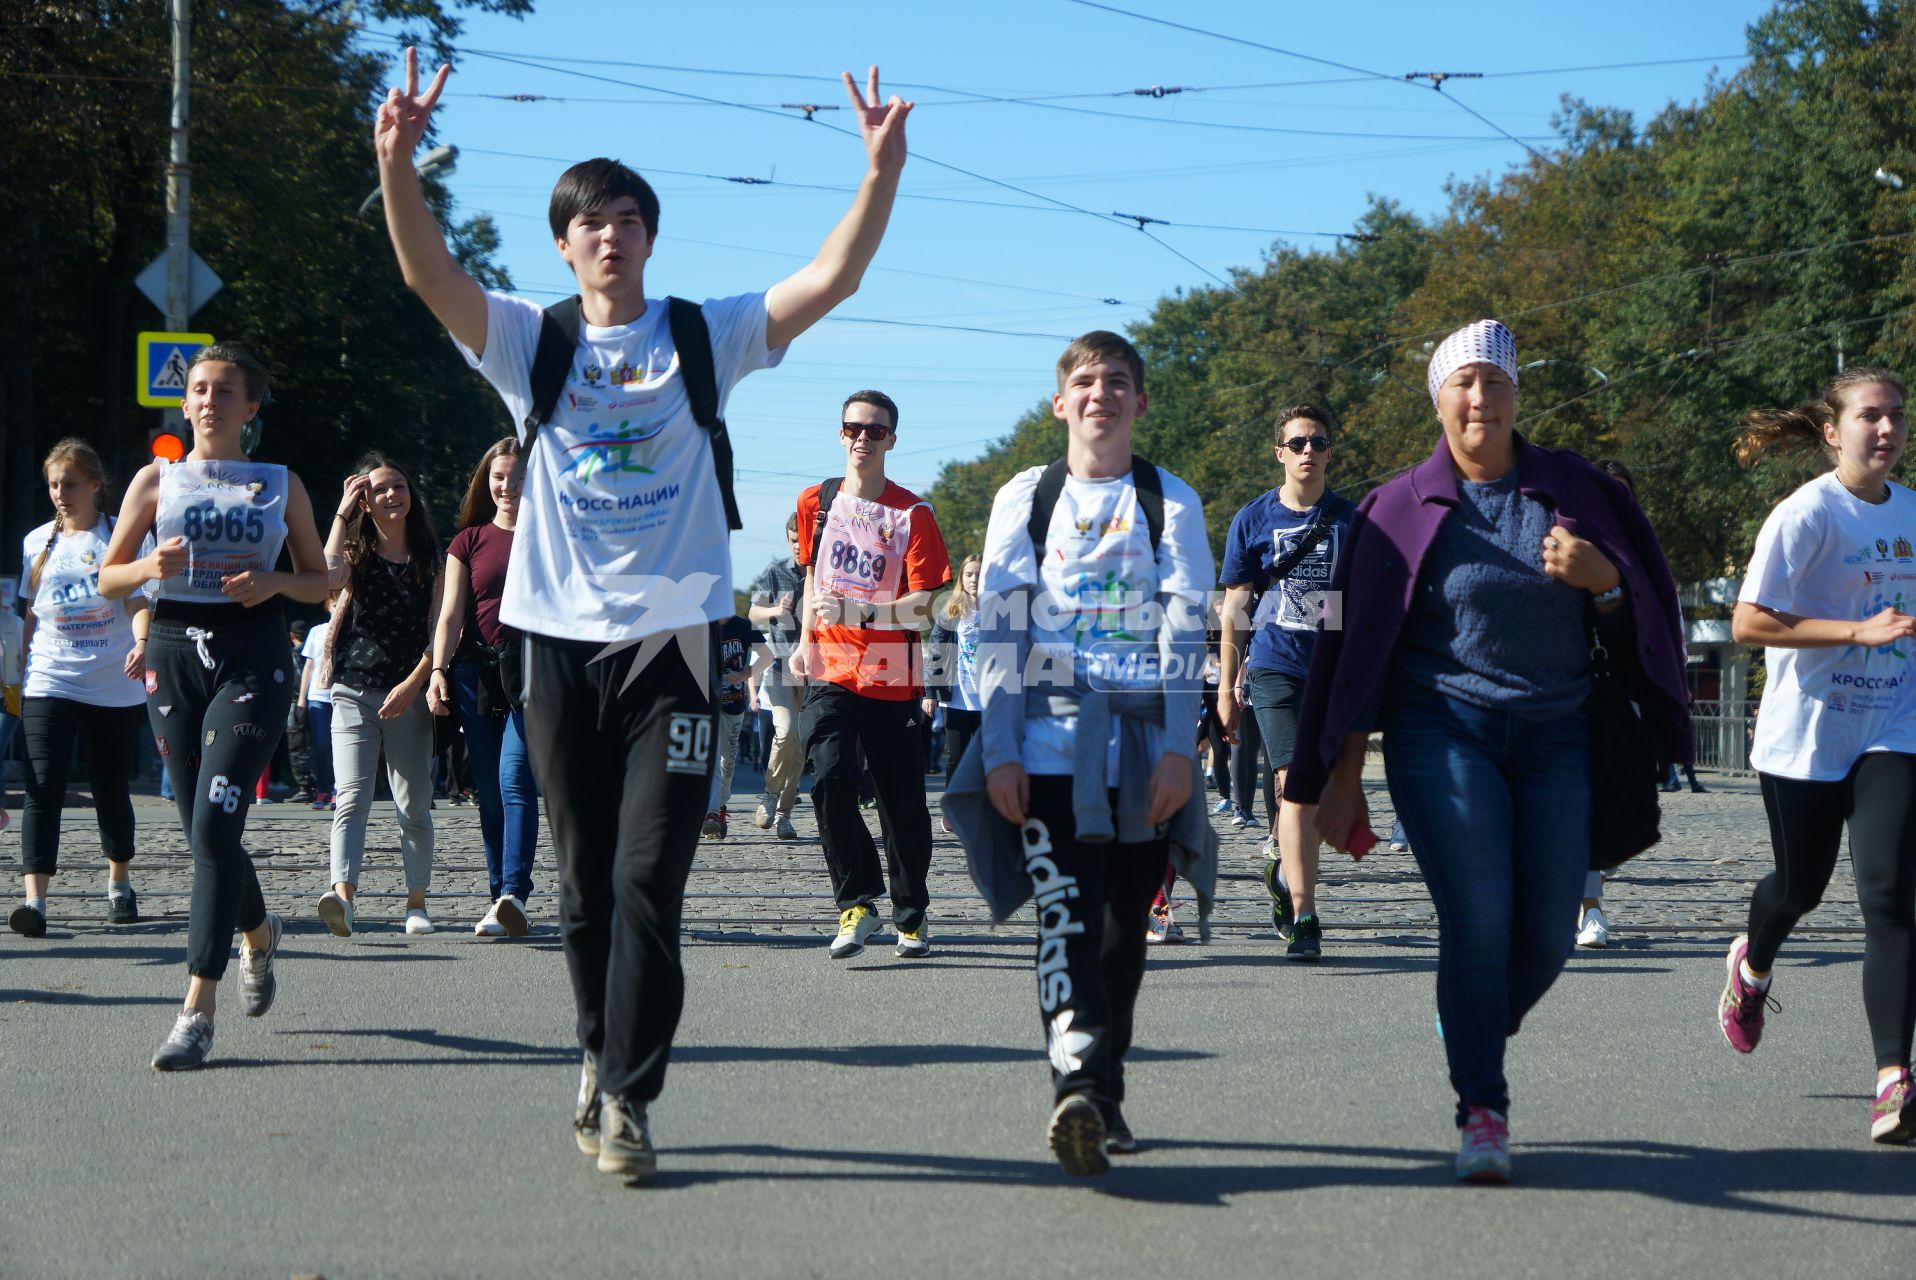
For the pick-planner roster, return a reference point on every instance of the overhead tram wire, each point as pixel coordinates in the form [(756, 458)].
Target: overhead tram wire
[(974, 97), (919, 156), (1436, 88)]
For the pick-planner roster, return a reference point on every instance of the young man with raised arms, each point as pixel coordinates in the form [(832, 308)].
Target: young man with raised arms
[(622, 568)]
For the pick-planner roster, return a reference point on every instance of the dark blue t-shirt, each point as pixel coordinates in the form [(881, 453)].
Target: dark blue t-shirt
[(735, 640), (1284, 627)]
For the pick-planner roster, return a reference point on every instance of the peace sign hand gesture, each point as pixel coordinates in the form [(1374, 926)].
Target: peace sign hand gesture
[(881, 123), (403, 116)]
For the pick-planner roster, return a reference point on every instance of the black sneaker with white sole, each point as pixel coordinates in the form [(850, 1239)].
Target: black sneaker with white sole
[(625, 1140), (1077, 1137), (123, 908)]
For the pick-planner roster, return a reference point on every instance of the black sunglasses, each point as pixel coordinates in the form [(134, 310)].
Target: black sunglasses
[(1297, 444), (870, 430)]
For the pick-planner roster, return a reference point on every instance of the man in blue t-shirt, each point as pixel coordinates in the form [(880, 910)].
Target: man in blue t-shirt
[(1277, 567)]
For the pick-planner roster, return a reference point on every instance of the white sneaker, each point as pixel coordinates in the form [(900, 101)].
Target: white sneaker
[(1594, 930), (489, 926), (855, 924), (762, 819), (512, 914), (337, 911), (417, 921), (1269, 849)]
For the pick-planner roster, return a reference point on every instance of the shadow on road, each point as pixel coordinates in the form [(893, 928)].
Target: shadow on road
[(1729, 1180), (899, 1055), (79, 997)]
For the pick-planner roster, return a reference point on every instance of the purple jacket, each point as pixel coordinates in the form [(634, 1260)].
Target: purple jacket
[(1393, 529)]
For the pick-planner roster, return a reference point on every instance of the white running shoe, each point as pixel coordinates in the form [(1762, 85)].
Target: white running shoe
[(417, 921), (1594, 930), (337, 912), (855, 924), (489, 926), (512, 914)]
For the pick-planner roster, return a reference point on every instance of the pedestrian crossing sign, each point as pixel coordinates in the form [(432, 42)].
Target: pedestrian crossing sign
[(162, 359)]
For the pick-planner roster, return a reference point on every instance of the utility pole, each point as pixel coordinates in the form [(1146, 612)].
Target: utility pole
[(179, 262)]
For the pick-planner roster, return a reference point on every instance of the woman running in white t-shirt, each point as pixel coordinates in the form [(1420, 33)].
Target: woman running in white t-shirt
[(219, 668), (1827, 593), (85, 657)]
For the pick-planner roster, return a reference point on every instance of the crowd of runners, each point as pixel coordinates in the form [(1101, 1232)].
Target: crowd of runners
[(580, 627)]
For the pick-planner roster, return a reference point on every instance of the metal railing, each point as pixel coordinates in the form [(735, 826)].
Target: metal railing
[(1723, 740)]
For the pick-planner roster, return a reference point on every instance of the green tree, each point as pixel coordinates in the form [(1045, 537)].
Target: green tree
[(280, 146)]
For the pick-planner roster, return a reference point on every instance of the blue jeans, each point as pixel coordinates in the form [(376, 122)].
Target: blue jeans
[(319, 735), (1497, 809), (508, 797)]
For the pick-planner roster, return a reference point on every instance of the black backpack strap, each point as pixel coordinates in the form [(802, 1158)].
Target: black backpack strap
[(551, 362), (827, 492), (692, 339), (1144, 474), (1044, 501)]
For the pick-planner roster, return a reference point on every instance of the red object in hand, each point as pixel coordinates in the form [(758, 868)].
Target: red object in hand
[(1362, 841)]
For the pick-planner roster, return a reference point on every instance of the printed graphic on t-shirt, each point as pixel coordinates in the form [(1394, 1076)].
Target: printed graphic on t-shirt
[(1297, 603), (1102, 572)]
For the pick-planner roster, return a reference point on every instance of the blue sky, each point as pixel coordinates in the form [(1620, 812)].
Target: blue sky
[(1165, 157)]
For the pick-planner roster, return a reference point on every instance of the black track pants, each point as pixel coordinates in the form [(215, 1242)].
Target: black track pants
[(110, 739), (626, 771), (837, 722), (1092, 901)]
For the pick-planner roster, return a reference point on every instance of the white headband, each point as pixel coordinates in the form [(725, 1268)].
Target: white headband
[(1485, 342)]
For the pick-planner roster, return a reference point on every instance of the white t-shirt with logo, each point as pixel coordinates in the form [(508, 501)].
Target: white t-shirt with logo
[(80, 638), (1825, 553), (1101, 574), (622, 530)]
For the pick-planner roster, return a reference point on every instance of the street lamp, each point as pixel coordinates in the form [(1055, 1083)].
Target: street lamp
[(440, 160), (1887, 178)]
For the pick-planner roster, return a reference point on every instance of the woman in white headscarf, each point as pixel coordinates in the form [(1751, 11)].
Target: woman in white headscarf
[(1469, 588)]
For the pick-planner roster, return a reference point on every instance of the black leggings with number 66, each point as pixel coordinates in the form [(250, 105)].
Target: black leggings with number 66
[(218, 683)]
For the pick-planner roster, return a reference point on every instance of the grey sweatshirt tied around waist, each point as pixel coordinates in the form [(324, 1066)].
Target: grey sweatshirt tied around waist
[(996, 851)]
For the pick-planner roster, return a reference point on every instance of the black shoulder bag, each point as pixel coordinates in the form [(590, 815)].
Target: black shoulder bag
[(1625, 764)]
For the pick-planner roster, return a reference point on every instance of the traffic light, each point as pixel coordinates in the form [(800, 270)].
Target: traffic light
[(167, 439)]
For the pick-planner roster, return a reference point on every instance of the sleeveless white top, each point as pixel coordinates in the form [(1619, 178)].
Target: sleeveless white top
[(233, 517)]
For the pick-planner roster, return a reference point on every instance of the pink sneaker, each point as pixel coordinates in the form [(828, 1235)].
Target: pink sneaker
[(1740, 1009), (1484, 1154), (1893, 1119)]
